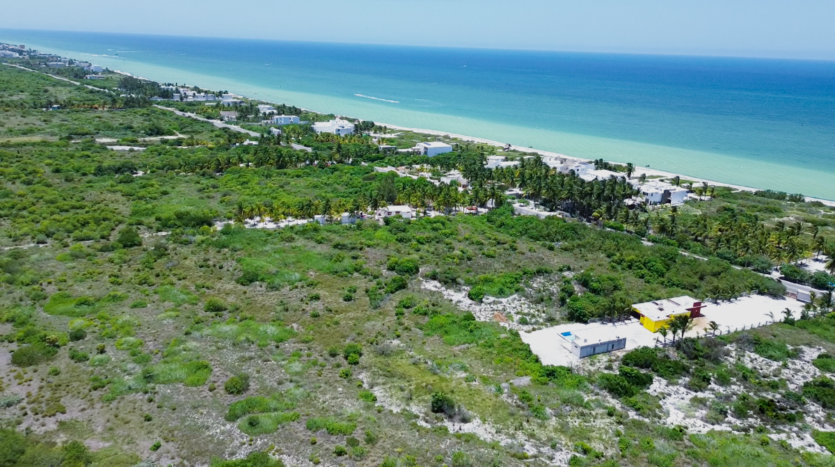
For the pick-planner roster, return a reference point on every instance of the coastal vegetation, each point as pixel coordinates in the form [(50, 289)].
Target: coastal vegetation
[(144, 324)]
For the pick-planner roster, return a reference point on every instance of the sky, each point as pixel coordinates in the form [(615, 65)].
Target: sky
[(756, 28)]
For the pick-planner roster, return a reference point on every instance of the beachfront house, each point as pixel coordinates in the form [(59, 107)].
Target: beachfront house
[(397, 210), (432, 148), (96, 68), (56, 64), (228, 115), (94, 77), (8, 54), (592, 175), (658, 192), (579, 168), (495, 162), (656, 315), (285, 120), (265, 109), (338, 127)]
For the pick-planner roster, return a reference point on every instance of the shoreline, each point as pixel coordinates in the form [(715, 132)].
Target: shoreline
[(639, 170)]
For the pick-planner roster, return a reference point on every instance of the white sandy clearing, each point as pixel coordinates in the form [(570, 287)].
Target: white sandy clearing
[(487, 310), (743, 313)]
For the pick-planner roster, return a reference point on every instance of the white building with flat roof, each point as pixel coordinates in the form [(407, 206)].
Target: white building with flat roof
[(265, 109), (592, 175), (338, 127), (397, 210), (275, 132), (433, 148), (285, 120), (454, 176), (658, 192)]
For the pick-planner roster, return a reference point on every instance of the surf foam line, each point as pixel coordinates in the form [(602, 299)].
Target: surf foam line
[(376, 98)]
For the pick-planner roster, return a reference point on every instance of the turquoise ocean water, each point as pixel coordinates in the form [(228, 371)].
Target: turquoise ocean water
[(752, 122)]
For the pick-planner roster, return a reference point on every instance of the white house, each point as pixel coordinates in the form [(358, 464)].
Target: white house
[(338, 127), (495, 162), (454, 176), (275, 132), (8, 54), (231, 102), (398, 210), (658, 192), (265, 109), (285, 120), (579, 168), (592, 175), (94, 77), (175, 97), (56, 64), (433, 148), (96, 68)]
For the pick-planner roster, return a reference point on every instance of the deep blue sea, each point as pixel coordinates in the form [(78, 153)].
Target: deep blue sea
[(753, 122)]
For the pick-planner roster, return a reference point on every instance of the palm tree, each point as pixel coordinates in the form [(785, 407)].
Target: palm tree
[(714, 326), (830, 263), (663, 331), (630, 169)]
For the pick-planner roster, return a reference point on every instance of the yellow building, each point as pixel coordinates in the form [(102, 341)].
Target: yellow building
[(656, 315)]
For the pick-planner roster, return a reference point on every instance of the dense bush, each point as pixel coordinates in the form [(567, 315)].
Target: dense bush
[(34, 354), (237, 385), (128, 237)]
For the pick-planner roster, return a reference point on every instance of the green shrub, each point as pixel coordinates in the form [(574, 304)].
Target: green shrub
[(352, 353), (636, 377), (821, 390), (79, 356), (404, 266), (339, 451), (34, 354), (773, 349), (266, 423), (78, 334), (237, 385), (215, 305), (128, 237), (332, 426), (617, 385), (825, 362), (442, 403), (367, 396), (255, 459), (825, 439)]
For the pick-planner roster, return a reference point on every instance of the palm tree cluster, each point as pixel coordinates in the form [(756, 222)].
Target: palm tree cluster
[(743, 234), (596, 199)]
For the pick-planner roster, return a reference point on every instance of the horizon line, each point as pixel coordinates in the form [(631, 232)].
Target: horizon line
[(418, 46)]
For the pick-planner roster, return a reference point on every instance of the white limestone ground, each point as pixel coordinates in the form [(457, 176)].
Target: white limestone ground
[(510, 307)]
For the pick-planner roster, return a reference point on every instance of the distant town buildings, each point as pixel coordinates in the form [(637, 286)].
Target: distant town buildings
[(338, 127)]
